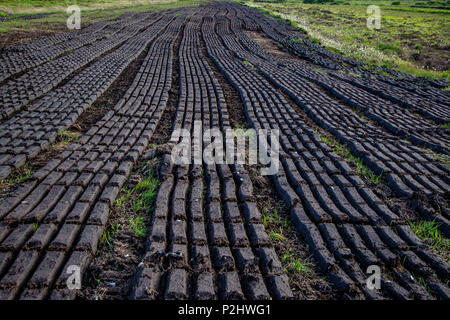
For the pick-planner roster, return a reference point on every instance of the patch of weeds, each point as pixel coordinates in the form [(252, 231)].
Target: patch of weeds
[(343, 151), (361, 169), (282, 233), (424, 285), (428, 232), (335, 50), (302, 30), (287, 256), (140, 201), (364, 117), (137, 226), (274, 217), (442, 158), (418, 47), (204, 190), (109, 234), (67, 137), (326, 140), (107, 238), (293, 24), (241, 130), (299, 266), (294, 265), (147, 189), (375, 179), (141, 196), (120, 202), (350, 73), (320, 71), (277, 236), (388, 47), (98, 281), (446, 125), (17, 176), (122, 243)]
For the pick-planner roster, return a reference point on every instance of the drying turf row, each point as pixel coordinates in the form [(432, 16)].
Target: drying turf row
[(206, 238), (19, 91), (9, 17), (24, 136)]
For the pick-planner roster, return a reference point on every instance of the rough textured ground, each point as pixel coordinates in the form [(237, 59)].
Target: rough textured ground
[(362, 155)]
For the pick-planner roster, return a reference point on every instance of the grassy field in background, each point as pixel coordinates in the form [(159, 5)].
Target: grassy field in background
[(411, 39), (20, 30), (39, 6)]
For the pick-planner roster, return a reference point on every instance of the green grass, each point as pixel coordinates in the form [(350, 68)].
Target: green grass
[(277, 236), (134, 206), (27, 6), (109, 234), (293, 256), (66, 137), (146, 191), (412, 40), (17, 176), (275, 218), (388, 47), (361, 170), (277, 222), (295, 265), (428, 231), (142, 195), (137, 226), (442, 158), (424, 285), (140, 201)]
